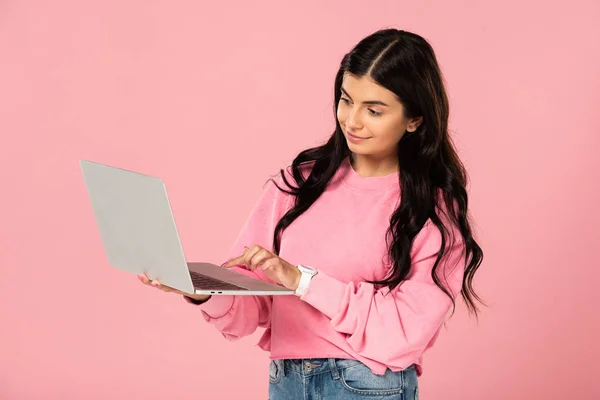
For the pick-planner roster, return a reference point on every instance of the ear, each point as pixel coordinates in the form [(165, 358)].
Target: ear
[(413, 124)]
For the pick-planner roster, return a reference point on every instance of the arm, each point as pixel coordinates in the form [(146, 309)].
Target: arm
[(238, 316), (393, 327)]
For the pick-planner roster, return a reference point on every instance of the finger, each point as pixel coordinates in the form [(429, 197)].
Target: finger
[(259, 258), (251, 255), (234, 262), (156, 284), (237, 260), (245, 258), (162, 287), (144, 279)]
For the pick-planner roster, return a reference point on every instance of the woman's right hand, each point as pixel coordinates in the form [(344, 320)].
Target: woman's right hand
[(154, 283)]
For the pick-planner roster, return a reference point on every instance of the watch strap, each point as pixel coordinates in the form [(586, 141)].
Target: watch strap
[(305, 278)]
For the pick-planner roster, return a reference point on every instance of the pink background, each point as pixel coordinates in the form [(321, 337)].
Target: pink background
[(215, 96)]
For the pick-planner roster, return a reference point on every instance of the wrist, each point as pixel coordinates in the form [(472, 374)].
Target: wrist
[(298, 275)]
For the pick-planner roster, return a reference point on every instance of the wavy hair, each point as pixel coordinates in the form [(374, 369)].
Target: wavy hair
[(430, 169)]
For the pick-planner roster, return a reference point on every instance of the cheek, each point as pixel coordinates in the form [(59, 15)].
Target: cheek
[(381, 128), (387, 132)]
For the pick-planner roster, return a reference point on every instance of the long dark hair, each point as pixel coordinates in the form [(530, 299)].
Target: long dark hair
[(430, 168)]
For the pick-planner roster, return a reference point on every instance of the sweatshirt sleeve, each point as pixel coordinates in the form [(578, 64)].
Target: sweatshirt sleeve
[(393, 327), (238, 316)]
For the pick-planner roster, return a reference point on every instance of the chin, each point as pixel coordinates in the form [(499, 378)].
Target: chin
[(358, 149)]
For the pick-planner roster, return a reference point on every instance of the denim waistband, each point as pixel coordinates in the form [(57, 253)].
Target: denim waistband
[(314, 366)]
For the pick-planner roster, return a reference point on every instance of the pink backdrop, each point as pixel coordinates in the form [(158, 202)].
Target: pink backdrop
[(213, 97)]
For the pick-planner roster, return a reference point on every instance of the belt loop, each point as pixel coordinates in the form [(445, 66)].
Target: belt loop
[(334, 368), (282, 365)]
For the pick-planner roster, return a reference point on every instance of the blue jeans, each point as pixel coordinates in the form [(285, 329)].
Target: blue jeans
[(335, 378)]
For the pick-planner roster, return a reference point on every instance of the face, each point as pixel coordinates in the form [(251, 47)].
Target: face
[(372, 118)]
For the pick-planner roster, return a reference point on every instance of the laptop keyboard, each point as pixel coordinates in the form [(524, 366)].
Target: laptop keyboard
[(207, 283)]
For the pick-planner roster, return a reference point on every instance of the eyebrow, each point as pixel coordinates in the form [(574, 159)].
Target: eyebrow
[(374, 102)]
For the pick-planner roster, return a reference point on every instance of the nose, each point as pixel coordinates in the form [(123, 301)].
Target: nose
[(352, 121)]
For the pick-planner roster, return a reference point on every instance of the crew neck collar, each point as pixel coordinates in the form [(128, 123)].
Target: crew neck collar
[(370, 183)]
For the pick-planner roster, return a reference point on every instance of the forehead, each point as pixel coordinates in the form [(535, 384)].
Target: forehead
[(365, 88)]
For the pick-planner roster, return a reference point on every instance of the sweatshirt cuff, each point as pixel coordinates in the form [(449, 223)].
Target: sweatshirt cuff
[(217, 306), (325, 294)]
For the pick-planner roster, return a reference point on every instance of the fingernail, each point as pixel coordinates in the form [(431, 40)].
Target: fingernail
[(155, 283)]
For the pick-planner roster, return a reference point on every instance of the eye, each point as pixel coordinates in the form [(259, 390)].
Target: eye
[(372, 112)]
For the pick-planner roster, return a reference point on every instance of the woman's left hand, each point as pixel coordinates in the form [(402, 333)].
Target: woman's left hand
[(274, 267)]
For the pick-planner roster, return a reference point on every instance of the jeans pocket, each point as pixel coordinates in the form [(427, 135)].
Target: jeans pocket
[(275, 371), (359, 379)]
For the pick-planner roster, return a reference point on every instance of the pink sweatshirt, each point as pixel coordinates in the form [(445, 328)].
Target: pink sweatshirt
[(342, 235)]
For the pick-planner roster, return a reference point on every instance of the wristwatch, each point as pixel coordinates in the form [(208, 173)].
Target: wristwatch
[(307, 274)]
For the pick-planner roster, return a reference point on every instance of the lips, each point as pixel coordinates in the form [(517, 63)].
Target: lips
[(354, 136)]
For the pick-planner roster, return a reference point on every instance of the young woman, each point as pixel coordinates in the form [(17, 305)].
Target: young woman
[(371, 230)]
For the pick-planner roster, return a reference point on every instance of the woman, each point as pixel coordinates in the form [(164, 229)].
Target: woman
[(370, 229)]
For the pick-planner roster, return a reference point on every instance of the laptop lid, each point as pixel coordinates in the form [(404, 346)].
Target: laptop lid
[(136, 223)]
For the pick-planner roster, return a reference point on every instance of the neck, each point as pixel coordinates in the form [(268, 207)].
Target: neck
[(370, 166)]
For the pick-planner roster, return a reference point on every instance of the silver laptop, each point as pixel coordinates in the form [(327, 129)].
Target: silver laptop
[(139, 235)]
